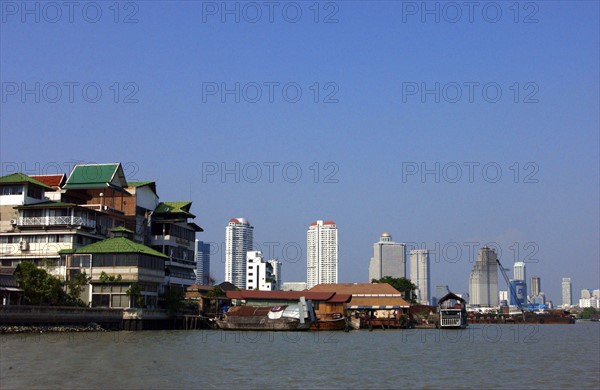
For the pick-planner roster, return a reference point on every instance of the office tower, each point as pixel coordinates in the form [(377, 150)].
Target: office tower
[(566, 292), (238, 241), (321, 253), (518, 293), (389, 259), (276, 265), (585, 294), (536, 286), (519, 271), (483, 281), (503, 297), (419, 274), (202, 263)]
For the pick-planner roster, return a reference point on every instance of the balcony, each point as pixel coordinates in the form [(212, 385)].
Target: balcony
[(56, 221)]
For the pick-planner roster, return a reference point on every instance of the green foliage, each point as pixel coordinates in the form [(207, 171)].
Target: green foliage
[(216, 292), (105, 278), (75, 286), (588, 313), (174, 299), (136, 292), (403, 285), (39, 287)]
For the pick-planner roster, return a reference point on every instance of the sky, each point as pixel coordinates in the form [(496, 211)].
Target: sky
[(451, 126)]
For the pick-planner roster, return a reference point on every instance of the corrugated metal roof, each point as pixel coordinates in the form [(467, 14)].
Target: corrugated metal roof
[(282, 295)]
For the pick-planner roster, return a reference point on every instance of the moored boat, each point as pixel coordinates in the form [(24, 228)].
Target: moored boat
[(335, 321), (277, 318)]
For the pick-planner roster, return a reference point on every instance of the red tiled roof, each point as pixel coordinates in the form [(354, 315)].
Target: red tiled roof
[(313, 224), (287, 295), (356, 288), (51, 180), (328, 223), (234, 220)]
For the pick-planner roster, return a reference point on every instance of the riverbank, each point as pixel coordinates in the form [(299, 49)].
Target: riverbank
[(91, 327)]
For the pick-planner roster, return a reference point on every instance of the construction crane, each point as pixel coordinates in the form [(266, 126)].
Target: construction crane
[(513, 293)]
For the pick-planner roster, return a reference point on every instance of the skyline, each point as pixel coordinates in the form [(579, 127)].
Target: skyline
[(362, 158)]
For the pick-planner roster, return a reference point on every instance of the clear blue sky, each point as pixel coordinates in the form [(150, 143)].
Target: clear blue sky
[(373, 57)]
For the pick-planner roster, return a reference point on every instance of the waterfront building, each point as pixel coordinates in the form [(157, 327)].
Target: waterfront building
[(202, 263), (589, 302), (276, 265), (293, 286), (419, 274), (585, 294), (536, 286), (259, 273), (567, 300), (239, 236), (483, 280), (321, 253), (389, 259)]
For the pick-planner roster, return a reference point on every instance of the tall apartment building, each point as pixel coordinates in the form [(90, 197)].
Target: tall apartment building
[(389, 259), (419, 274), (202, 263), (567, 299), (483, 280), (239, 236), (321, 253), (519, 271)]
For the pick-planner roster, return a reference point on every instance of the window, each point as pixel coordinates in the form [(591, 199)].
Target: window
[(11, 190)]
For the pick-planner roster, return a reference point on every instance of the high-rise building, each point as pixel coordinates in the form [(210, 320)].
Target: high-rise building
[(483, 281), (585, 294), (567, 300), (389, 259), (202, 263), (536, 286), (518, 293), (238, 241), (276, 265), (503, 297), (419, 274), (519, 271), (321, 253)]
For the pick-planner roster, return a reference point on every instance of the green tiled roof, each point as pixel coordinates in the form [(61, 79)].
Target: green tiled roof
[(96, 176), (116, 245), (18, 178), (48, 205), (175, 208), (121, 229)]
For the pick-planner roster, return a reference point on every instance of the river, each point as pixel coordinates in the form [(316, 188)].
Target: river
[(480, 357)]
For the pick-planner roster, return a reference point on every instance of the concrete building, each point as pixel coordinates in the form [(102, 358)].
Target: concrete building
[(203, 263), (483, 281), (321, 253), (503, 297), (389, 259), (276, 265), (520, 292), (239, 236), (536, 286), (567, 299), (259, 273), (585, 294), (293, 286), (519, 271), (589, 302), (419, 274)]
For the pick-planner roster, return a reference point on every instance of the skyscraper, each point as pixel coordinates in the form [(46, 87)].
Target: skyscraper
[(389, 259), (519, 271), (566, 292), (419, 274), (321, 253), (202, 263), (536, 286), (238, 241), (483, 281)]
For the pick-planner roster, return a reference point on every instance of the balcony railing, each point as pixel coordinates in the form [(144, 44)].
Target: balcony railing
[(56, 221)]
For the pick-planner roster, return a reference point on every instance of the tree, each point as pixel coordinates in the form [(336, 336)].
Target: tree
[(39, 287), (75, 286), (588, 313), (404, 285), (134, 291)]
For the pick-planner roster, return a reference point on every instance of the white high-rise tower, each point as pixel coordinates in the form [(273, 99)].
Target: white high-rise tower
[(419, 274), (567, 299), (238, 241), (321, 253)]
